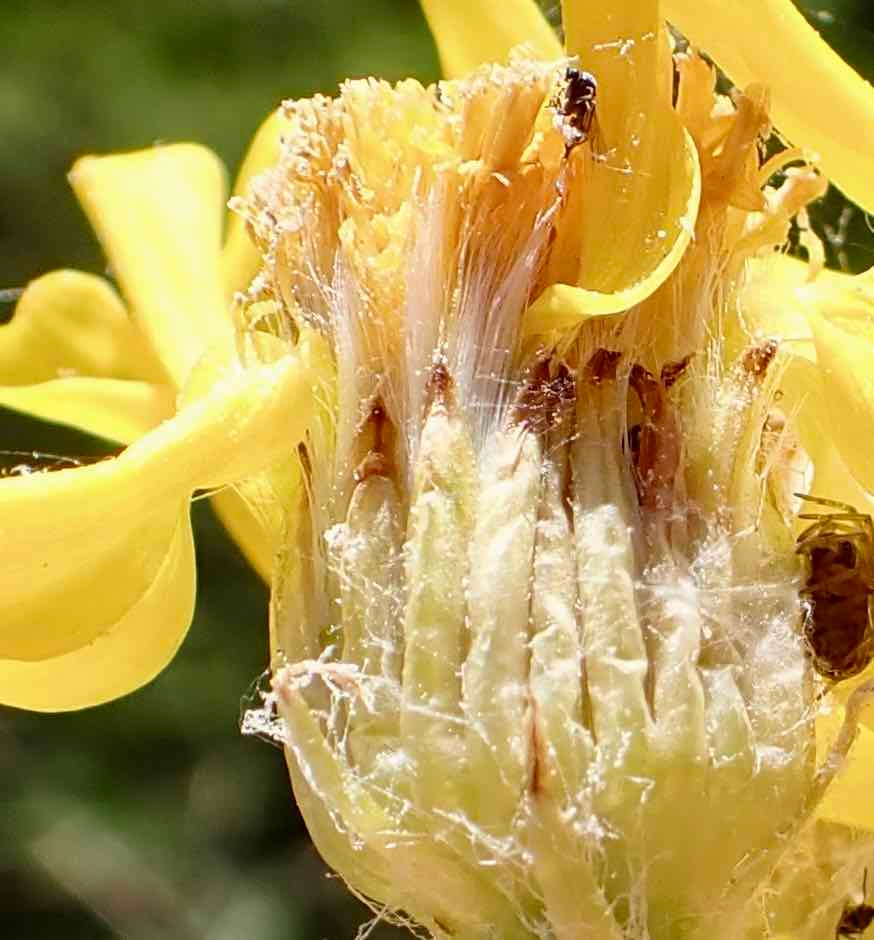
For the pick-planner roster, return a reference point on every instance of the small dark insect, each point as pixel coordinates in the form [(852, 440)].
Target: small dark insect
[(577, 107), (856, 918), (838, 548)]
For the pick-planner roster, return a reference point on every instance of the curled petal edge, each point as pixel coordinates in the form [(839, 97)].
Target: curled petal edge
[(124, 657), (159, 214), (85, 545), (564, 306), (72, 323)]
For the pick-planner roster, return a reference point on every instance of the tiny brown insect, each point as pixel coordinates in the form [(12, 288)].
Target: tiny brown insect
[(577, 107), (856, 918), (838, 549)]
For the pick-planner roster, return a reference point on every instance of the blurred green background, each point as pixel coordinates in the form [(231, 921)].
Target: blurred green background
[(152, 818)]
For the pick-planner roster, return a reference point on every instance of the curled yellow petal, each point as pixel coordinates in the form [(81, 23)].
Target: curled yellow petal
[(817, 100), (246, 530), (644, 187), (778, 296), (804, 400), (781, 300), (772, 303), (843, 333), (240, 258), (159, 216), (252, 509), (561, 307), (826, 326), (68, 323), (85, 547), (470, 32), (126, 655), (848, 798), (117, 409)]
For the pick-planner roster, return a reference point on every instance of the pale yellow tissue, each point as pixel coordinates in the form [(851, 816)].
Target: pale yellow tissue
[(772, 304), (826, 330), (803, 400), (562, 307), (848, 798), (159, 215), (468, 34), (817, 101), (127, 654), (84, 547), (68, 323), (845, 354), (246, 530), (644, 184)]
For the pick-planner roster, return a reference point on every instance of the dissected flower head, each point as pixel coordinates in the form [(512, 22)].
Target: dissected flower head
[(516, 411), (538, 627)]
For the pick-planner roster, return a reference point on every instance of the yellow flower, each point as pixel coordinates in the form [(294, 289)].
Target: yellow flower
[(74, 354), (523, 399), (802, 97)]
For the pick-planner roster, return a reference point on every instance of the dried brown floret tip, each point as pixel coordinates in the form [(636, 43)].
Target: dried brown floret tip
[(602, 366), (546, 399)]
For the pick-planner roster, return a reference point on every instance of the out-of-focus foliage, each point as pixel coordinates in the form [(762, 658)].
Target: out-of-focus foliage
[(83, 76), (151, 818)]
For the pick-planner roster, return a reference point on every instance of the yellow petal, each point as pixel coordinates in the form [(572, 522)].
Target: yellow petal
[(772, 303), (848, 798), (644, 187), (253, 511), (69, 323), (470, 32), (83, 548), (159, 216), (561, 307), (117, 409), (845, 354), (831, 477), (804, 401), (256, 511), (817, 100), (125, 656), (240, 259), (780, 301), (246, 530), (779, 294)]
